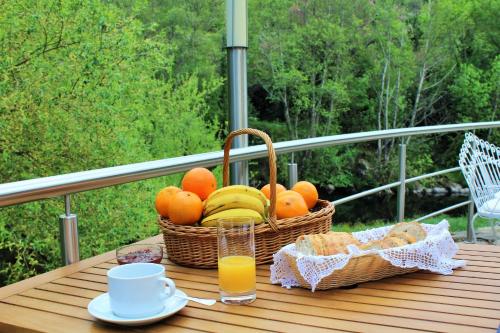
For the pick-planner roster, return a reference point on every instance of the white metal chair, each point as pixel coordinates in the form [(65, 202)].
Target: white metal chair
[(480, 164)]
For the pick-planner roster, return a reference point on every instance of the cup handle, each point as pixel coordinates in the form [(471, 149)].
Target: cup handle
[(171, 287)]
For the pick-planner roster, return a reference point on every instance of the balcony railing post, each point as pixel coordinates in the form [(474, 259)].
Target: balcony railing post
[(292, 174), (68, 235), (471, 236), (402, 185), (237, 43)]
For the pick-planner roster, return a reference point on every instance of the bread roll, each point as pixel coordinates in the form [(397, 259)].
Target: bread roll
[(411, 228), (403, 235), (386, 243), (374, 245), (325, 244), (331, 243)]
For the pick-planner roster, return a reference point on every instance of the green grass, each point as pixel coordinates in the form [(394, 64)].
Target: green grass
[(456, 223)]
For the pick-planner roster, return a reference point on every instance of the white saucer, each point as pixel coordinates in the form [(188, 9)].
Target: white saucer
[(99, 308)]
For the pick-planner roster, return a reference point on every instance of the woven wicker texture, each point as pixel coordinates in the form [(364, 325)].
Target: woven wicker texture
[(359, 269), (197, 246)]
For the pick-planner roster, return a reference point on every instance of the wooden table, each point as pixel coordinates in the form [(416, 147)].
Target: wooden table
[(468, 301)]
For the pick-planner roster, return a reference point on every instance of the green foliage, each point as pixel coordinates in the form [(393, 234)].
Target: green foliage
[(456, 223), (85, 86), (100, 83)]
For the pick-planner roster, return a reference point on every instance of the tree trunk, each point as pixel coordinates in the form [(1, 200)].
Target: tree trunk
[(386, 109), (423, 73), (396, 106), (379, 113)]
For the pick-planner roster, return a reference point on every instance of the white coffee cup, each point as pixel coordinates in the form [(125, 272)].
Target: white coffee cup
[(138, 290)]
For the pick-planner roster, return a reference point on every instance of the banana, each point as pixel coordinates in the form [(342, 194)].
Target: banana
[(239, 189), (233, 200), (237, 214)]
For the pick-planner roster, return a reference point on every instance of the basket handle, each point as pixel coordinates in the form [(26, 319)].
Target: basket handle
[(271, 154)]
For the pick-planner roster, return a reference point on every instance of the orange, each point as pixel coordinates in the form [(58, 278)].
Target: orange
[(290, 204), (163, 199), (266, 189), (200, 181), (185, 208), (308, 191), (289, 192)]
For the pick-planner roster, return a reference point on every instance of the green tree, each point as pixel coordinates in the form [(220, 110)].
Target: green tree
[(84, 85)]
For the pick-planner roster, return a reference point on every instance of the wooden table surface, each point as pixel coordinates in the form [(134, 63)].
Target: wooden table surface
[(467, 301)]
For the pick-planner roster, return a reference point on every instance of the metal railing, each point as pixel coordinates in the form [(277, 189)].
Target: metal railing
[(64, 185)]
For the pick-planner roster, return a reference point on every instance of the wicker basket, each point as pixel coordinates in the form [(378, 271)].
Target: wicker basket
[(359, 269), (197, 246)]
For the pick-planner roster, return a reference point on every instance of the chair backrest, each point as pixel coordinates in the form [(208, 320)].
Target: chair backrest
[(480, 164)]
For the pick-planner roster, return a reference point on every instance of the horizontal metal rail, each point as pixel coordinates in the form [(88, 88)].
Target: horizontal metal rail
[(391, 185), (48, 187), (365, 193), (433, 174), (444, 210)]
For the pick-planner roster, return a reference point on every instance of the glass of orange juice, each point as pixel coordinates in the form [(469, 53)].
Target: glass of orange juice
[(236, 248)]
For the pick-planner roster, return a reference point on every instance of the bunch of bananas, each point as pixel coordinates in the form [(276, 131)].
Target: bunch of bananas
[(237, 202)]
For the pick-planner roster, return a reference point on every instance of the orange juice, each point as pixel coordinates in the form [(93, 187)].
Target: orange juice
[(237, 274)]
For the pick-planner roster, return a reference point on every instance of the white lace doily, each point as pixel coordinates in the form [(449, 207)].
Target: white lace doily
[(434, 253)]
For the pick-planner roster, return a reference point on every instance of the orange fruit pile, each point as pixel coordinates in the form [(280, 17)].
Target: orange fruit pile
[(290, 204), (266, 189), (200, 181), (308, 191), (295, 202), (185, 206)]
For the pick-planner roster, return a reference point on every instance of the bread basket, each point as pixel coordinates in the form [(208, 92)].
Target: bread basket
[(196, 246), (435, 253)]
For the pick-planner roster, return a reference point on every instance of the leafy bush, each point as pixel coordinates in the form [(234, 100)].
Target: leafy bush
[(85, 85)]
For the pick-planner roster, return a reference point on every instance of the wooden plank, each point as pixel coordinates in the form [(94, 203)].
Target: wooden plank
[(358, 312), (374, 285), (453, 279), (473, 303), (431, 291), (20, 286), (71, 300), (82, 284), (308, 300), (47, 306), (283, 298), (475, 268), (452, 296), (280, 325), (461, 272), (478, 254), (79, 312), (479, 247), (332, 311), (20, 319), (479, 272), (82, 302), (483, 263), (474, 258), (406, 280), (68, 290), (381, 310), (56, 297), (195, 324)]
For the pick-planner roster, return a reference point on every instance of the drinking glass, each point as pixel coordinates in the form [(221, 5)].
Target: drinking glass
[(236, 249)]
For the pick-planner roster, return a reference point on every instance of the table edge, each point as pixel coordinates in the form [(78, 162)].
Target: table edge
[(61, 272)]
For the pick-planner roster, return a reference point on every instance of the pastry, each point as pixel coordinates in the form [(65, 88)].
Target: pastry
[(325, 244), (412, 228)]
